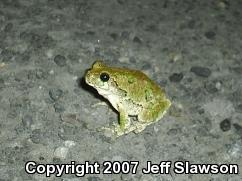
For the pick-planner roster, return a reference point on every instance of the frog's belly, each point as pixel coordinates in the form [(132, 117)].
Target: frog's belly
[(129, 107)]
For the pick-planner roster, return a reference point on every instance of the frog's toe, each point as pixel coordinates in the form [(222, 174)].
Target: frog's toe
[(118, 134), (107, 132), (118, 131), (113, 131), (140, 128)]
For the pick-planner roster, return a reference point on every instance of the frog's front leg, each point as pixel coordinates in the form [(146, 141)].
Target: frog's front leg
[(124, 123), (123, 118)]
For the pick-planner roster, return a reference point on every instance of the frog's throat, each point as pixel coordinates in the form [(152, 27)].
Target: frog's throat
[(103, 92)]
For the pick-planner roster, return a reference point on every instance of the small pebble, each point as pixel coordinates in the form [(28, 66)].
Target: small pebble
[(12, 114), (36, 136), (211, 87), (56, 160), (137, 40), (201, 111), (125, 35), (210, 35), (201, 71), (234, 149), (41, 158), (60, 60), (223, 4), (40, 74), (90, 33), (114, 36), (218, 85), (61, 152), (2, 65), (55, 94), (27, 121), (123, 59), (176, 77), (174, 57), (172, 131), (69, 143), (225, 125), (59, 107)]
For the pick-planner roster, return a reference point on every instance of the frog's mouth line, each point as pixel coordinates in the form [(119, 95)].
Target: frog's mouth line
[(88, 81), (98, 88), (103, 90)]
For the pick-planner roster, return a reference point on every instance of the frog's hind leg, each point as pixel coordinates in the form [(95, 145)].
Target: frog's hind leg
[(149, 116)]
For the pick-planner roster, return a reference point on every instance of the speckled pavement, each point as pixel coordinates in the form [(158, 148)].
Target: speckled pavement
[(193, 49)]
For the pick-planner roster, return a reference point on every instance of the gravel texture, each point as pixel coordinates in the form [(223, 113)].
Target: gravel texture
[(49, 115)]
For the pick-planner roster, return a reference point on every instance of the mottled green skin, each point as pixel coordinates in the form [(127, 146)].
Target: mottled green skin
[(130, 92)]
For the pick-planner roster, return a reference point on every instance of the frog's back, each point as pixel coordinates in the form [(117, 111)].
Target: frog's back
[(137, 85)]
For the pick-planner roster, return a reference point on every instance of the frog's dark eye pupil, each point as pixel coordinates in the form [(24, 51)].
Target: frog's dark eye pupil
[(104, 77)]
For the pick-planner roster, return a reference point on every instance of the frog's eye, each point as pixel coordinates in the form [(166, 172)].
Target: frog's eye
[(104, 77)]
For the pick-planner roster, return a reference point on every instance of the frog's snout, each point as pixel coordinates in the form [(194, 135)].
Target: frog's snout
[(87, 77), (90, 78)]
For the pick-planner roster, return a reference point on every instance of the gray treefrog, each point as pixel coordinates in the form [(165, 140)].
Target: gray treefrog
[(131, 93)]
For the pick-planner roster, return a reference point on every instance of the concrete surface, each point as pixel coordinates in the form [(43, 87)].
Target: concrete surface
[(47, 113)]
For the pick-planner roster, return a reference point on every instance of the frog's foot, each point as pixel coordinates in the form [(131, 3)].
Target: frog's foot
[(116, 131), (119, 131), (112, 131), (140, 127), (107, 130)]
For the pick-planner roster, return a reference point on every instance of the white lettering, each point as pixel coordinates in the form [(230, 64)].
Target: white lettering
[(28, 169), (187, 168)]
